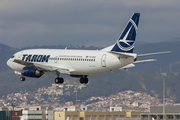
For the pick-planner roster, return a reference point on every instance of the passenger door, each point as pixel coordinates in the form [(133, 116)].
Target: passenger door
[(103, 60)]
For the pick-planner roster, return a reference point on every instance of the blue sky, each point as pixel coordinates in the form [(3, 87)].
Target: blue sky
[(85, 22)]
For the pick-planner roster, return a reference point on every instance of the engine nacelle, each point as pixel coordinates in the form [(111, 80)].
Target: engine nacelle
[(31, 72)]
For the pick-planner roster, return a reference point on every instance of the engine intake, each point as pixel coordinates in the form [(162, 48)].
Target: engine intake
[(31, 72)]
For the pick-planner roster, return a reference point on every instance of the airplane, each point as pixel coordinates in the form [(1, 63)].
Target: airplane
[(81, 63)]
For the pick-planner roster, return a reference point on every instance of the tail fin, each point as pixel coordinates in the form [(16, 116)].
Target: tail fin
[(126, 40)]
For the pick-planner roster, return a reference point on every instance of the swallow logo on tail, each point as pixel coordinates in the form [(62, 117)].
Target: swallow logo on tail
[(126, 41)]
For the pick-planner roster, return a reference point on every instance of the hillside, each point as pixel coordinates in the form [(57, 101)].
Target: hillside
[(5, 53), (99, 85)]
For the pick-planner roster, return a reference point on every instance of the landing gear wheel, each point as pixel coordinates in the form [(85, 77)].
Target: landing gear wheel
[(22, 78), (83, 80), (59, 80)]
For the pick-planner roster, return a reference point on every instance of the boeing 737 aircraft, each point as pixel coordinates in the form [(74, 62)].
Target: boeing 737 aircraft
[(80, 63)]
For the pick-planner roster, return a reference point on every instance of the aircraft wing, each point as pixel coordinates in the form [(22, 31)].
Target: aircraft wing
[(45, 68)]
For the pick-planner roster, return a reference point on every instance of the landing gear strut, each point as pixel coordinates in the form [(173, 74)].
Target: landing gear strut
[(59, 80), (22, 78), (83, 79)]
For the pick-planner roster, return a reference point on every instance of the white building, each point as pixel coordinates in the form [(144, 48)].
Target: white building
[(38, 113)]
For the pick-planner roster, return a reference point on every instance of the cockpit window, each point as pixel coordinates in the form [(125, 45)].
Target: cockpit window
[(12, 56)]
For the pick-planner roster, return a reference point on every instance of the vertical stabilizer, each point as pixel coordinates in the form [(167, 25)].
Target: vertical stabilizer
[(126, 40)]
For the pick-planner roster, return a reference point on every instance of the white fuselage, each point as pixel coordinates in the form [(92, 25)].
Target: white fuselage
[(79, 62)]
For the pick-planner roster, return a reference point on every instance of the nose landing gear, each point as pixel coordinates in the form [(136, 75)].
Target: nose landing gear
[(22, 78)]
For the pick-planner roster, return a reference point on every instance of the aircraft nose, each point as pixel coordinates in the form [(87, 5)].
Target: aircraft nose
[(9, 63)]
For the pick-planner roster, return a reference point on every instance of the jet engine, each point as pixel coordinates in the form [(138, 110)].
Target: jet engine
[(31, 72)]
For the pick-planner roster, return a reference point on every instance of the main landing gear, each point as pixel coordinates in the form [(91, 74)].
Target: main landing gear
[(59, 80), (83, 79)]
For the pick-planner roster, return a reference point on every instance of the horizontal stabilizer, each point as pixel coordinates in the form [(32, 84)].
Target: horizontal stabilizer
[(143, 61), (142, 55), (128, 66)]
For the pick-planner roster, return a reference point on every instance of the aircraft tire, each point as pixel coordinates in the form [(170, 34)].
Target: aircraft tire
[(22, 78), (83, 80), (59, 80)]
